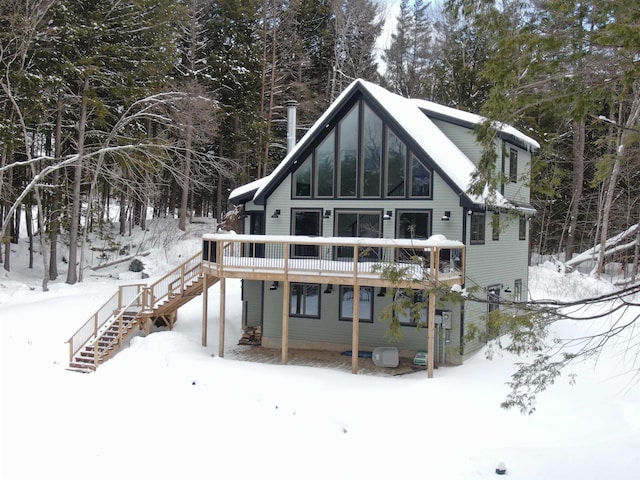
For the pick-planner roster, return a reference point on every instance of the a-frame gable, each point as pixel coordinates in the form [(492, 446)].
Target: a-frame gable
[(330, 121)]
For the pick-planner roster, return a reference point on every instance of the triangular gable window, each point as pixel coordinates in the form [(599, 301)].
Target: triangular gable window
[(357, 157)]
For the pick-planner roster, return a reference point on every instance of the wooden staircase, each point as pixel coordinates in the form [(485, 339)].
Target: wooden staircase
[(133, 308)]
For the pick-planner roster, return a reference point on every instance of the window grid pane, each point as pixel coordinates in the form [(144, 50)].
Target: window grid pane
[(348, 153)]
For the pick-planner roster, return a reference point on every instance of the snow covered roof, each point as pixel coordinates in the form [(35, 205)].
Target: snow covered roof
[(472, 119), (452, 164)]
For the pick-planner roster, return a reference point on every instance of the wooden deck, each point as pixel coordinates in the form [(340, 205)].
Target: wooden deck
[(422, 264)]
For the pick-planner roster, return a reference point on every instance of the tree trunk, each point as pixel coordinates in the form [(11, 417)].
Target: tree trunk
[(577, 181), (54, 218), (182, 222), (28, 217), (72, 273), (624, 136)]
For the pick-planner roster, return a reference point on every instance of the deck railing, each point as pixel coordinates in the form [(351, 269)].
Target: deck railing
[(253, 256)]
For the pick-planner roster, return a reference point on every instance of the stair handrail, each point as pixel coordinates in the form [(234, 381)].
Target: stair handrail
[(119, 317), (90, 328), (175, 281)]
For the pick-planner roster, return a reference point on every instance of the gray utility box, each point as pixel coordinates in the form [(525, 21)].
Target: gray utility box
[(385, 357)]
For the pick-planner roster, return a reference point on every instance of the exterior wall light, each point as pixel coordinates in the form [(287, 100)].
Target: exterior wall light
[(447, 216), (387, 216), (327, 213), (276, 213)]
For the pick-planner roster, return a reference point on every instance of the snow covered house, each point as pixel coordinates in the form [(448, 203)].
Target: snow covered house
[(377, 176)]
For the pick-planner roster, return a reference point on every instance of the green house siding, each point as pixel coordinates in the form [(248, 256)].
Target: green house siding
[(497, 262), (252, 302), (329, 332)]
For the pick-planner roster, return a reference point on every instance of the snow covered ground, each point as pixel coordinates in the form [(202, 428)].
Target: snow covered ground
[(166, 407)]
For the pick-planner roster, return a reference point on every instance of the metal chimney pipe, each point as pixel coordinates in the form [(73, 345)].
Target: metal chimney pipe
[(291, 124)]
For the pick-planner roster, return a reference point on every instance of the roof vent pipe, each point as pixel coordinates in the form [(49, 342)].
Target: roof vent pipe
[(291, 124)]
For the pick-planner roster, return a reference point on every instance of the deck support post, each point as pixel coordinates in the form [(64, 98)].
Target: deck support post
[(205, 309), (222, 320), (286, 298), (355, 337), (431, 325)]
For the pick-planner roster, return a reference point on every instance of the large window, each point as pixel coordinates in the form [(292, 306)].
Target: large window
[(372, 151), (308, 223), (362, 157), (396, 160), (414, 224), (513, 165), (325, 159), (348, 153), (477, 227), (302, 180), (305, 300), (357, 224), (420, 179), (366, 304)]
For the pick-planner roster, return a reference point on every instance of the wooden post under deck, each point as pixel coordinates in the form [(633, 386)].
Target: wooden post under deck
[(355, 337), (431, 321), (205, 309), (431, 325), (223, 294), (286, 298)]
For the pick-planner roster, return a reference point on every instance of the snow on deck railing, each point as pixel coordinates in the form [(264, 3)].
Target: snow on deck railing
[(332, 255)]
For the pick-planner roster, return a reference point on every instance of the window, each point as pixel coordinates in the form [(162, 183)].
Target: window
[(357, 224), (495, 226), (325, 159), (420, 179), (396, 159), (305, 300), (522, 228), (414, 224), (348, 153), (366, 304), (411, 308), (477, 227), (513, 165), (517, 290), (372, 151), (306, 222), (302, 180)]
